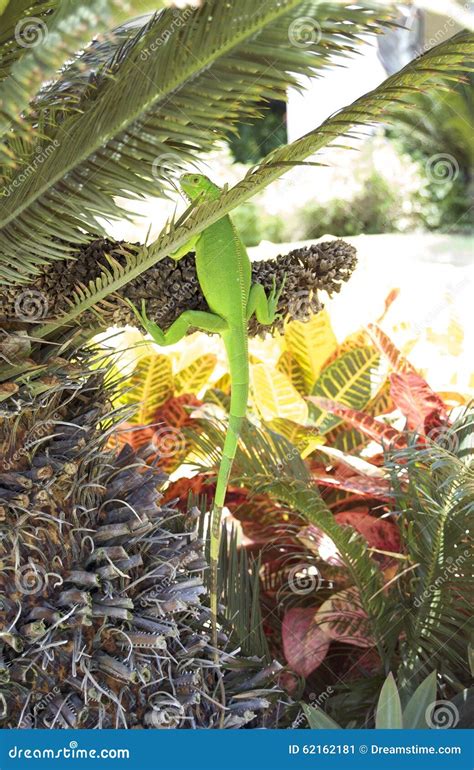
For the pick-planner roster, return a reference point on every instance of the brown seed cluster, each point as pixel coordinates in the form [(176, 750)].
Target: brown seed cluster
[(171, 287), (101, 586)]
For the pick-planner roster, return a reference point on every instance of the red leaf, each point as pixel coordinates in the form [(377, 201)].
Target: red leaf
[(342, 618), (374, 429), (304, 644), (422, 407), (397, 360), (359, 485), (379, 533)]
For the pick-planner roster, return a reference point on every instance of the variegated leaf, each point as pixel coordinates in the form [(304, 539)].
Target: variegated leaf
[(275, 396), (311, 344), (351, 380), (288, 365), (150, 385), (195, 376)]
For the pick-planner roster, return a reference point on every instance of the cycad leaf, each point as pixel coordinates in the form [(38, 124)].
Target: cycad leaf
[(48, 43), (388, 715), (275, 396), (311, 344), (351, 380), (154, 107), (442, 62), (195, 376)]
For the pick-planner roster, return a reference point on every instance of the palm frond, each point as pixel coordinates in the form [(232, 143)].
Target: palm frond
[(176, 89), (49, 42), (443, 62), (435, 497)]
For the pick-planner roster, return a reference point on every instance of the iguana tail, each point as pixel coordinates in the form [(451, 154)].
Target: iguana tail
[(237, 354)]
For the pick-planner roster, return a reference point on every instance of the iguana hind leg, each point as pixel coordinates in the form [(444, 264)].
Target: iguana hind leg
[(208, 322), (264, 307)]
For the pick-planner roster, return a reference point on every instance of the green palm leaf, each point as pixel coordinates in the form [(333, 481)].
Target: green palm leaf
[(171, 95), (444, 61)]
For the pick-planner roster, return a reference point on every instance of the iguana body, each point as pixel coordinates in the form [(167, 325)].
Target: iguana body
[(225, 277)]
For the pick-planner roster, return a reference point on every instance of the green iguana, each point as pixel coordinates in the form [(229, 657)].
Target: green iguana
[(225, 277)]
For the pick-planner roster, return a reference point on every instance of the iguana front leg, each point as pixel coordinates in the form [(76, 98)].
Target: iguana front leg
[(264, 307), (208, 322), (185, 249)]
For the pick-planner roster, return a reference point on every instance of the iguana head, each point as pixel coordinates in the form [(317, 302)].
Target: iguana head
[(197, 186)]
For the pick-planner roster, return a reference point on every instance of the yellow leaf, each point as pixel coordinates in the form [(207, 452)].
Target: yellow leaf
[(311, 344), (353, 379), (150, 385), (275, 396), (193, 377), (223, 383), (288, 365), (305, 440)]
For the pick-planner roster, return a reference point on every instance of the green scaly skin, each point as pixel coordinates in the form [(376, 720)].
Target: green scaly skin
[(224, 273)]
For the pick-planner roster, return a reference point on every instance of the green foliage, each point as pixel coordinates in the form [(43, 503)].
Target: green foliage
[(255, 226), (388, 713), (376, 209), (436, 131), (130, 111), (256, 138)]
